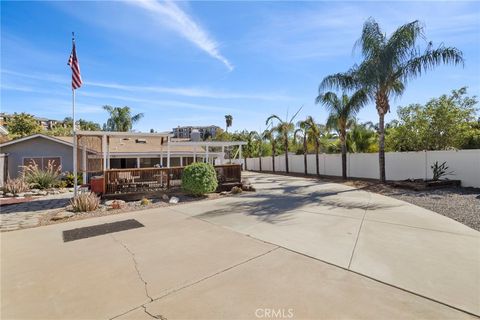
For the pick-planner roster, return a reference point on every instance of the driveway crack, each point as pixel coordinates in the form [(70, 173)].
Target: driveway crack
[(360, 229), (135, 263)]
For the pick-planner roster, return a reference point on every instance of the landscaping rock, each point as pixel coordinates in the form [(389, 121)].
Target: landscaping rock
[(8, 194), (118, 204), (223, 193), (29, 194), (165, 197), (62, 215), (21, 194), (174, 200), (236, 190), (35, 190), (42, 193), (1, 193)]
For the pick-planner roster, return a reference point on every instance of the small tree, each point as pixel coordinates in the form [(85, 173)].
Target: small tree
[(22, 125)]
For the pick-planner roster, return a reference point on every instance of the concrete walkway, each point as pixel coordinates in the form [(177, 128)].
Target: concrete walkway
[(296, 246)]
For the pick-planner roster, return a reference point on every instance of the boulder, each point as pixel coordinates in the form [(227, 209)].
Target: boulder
[(174, 200), (35, 190), (42, 193), (236, 190), (165, 197), (1, 193), (29, 194), (116, 204), (21, 194), (8, 194), (223, 193)]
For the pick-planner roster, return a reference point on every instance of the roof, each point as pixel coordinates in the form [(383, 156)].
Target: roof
[(140, 144), (39, 135)]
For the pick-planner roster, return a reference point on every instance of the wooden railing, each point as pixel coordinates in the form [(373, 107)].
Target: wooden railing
[(137, 180)]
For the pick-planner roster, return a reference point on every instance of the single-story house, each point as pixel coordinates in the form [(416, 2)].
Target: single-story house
[(111, 150)]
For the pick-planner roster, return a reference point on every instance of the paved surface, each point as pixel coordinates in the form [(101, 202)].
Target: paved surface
[(27, 214), (295, 246)]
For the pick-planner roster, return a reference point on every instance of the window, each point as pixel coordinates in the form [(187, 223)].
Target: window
[(42, 162)]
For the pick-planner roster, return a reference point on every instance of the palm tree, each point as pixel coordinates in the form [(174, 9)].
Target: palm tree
[(121, 118), (228, 122), (302, 130), (247, 150), (259, 145), (342, 112), (388, 65), (314, 133), (269, 135), (283, 128)]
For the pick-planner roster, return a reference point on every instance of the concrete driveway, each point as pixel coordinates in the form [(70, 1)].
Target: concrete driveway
[(297, 248)]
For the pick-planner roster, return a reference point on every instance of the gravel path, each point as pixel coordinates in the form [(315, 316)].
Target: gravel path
[(460, 204)]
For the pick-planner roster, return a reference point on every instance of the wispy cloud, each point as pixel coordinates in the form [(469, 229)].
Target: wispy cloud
[(178, 91), (180, 21)]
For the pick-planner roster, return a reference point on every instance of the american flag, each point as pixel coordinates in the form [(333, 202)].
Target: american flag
[(73, 63)]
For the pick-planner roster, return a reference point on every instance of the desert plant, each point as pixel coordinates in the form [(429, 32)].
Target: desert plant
[(39, 178), (68, 178), (85, 202), (199, 178), (15, 186), (145, 202), (440, 170)]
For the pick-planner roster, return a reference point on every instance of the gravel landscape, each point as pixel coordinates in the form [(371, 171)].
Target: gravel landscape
[(460, 204)]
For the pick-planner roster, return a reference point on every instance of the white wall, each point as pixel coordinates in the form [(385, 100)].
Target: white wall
[(399, 165)]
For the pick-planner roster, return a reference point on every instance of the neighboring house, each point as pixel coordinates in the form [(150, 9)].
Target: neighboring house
[(45, 123), (186, 131), (124, 151)]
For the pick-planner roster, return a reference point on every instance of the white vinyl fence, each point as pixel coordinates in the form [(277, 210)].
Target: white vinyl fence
[(399, 165)]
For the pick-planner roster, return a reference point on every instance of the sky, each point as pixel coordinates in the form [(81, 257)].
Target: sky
[(191, 63)]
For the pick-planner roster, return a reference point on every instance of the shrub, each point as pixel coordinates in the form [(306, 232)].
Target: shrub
[(236, 190), (440, 170), (41, 179), (85, 201), (199, 178), (68, 178), (145, 202), (15, 186)]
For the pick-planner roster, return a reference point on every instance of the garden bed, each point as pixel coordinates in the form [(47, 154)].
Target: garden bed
[(419, 184)]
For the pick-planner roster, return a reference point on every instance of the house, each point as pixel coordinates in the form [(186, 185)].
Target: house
[(100, 150), (45, 123), (186, 131)]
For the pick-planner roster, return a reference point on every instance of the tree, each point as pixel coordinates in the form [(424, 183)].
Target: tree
[(269, 135), (302, 131), (121, 118), (228, 122), (22, 125), (388, 65), (283, 128), (248, 149), (443, 123), (314, 133), (342, 115), (361, 138)]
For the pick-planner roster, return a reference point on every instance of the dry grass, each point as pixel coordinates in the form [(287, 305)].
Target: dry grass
[(85, 202)]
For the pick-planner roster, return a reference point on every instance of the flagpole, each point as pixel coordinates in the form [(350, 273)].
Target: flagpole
[(74, 138)]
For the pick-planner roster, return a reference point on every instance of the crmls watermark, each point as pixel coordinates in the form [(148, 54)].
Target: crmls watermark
[(274, 313)]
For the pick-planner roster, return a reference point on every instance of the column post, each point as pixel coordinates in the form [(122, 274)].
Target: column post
[(168, 152)]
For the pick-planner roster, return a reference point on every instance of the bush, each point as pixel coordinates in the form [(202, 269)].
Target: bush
[(68, 178), (15, 186), (84, 202), (42, 179), (199, 178), (145, 202)]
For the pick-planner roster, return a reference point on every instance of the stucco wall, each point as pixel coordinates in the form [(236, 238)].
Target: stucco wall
[(37, 147)]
